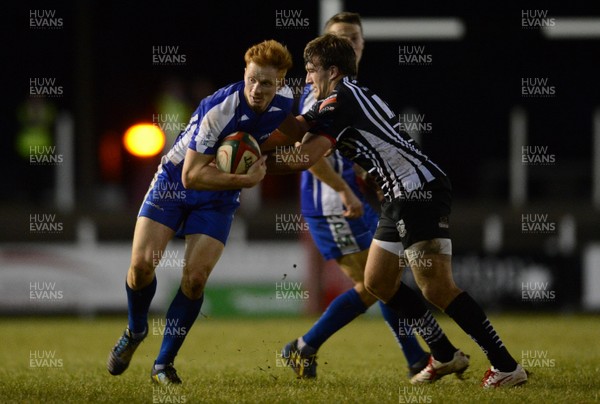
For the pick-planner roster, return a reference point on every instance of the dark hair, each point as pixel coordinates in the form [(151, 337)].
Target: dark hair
[(330, 50), (345, 16)]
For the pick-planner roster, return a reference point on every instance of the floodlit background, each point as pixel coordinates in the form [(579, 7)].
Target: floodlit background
[(505, 98)]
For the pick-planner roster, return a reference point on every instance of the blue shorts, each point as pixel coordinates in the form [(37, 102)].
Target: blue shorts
[(187, 211), (336, 236)]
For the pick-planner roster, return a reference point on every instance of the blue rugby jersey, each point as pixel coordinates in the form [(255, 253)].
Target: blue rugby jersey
[(219, 115), (224, 113)]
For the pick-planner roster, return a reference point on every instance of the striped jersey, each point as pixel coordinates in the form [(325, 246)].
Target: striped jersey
[(365, 130), (316, 197), (226, 112)]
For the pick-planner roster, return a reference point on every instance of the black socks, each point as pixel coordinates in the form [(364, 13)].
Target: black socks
[(467, 313), (409, 306)]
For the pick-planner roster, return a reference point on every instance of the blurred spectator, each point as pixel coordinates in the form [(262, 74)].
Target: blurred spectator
[(36, 118)]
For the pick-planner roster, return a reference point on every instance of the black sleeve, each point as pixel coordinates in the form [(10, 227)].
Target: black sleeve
[(312, 113), (330, 119)]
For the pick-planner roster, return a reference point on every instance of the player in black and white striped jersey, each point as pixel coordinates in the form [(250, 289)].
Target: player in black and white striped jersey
[(415, 212)]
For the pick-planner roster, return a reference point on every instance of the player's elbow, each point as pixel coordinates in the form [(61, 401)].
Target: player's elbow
[(189, 179), (313, 156), (314, 148)]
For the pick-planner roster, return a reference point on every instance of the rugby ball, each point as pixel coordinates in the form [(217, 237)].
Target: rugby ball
[(237, 153)]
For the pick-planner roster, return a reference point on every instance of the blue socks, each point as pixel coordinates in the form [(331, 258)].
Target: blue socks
[(404, 335), (180, 317), (342, 310), (138, 302), (345, 308)]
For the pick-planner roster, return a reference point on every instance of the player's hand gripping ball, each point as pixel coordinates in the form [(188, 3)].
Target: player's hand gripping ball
[(237, 153)]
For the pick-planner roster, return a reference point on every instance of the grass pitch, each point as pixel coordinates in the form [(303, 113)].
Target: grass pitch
[(63, 360)]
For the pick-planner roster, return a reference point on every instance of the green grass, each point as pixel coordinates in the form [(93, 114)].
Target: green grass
[(235, 361)]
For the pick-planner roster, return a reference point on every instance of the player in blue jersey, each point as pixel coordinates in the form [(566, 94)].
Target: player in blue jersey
[(342, 225), (190, 197), (415, 213)]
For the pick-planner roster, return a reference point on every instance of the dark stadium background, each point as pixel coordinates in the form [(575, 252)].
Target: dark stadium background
[(102, 57)]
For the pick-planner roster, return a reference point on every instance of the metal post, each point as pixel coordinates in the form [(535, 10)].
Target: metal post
[(596, 160), (518, 170), (64, 173)]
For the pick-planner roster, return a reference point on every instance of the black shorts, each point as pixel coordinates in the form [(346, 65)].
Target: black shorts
[(422, 215)]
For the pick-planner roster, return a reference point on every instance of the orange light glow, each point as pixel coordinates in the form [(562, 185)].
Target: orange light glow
[(144, 140)]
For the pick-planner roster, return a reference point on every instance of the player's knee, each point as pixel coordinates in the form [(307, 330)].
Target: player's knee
[(439, 294), (365, 296), (431, 293), (141, 273), (375, 288), (193, 283)]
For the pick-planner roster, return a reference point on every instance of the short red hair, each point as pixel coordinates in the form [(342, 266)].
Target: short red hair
[(270, 53)]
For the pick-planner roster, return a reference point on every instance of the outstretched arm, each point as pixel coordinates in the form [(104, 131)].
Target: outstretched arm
[(294, 127), (299, 158), (325, 173), (291, 130)]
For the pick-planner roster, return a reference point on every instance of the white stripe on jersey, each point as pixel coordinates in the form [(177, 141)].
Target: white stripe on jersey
[(207, 134), (177, 152), (214, 122), (308, 102), (399, 163)]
